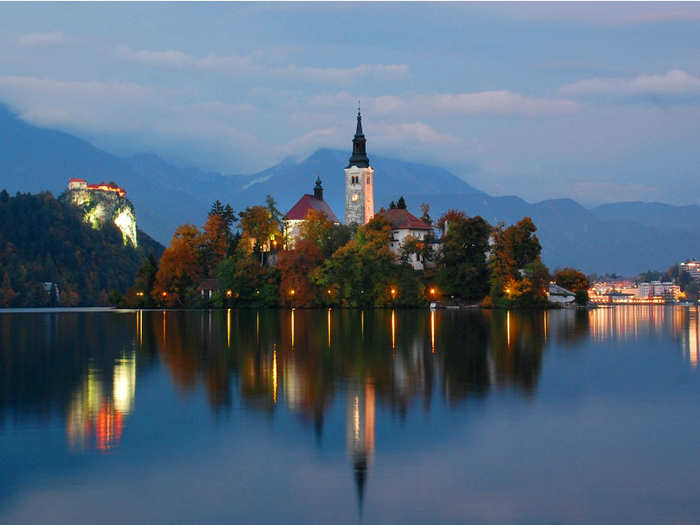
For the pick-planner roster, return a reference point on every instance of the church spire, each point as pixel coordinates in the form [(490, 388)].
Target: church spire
[(318, 189), (359, 145)]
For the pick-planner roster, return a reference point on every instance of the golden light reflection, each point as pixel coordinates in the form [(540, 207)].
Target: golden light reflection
[(95, 417), (432, 330), (165, 335), (508, 327), (693, 350), (228, 328), (393, 329), (274, 376), (139, 326), (292, 322), (329, 327), (257, 326), (545, 325), (124, 383), (359, 424), (362, 323)]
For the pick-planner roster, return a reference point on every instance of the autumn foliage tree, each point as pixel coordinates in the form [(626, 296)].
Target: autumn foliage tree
[(574, 281), (518, 275), (296, 267), (180, 266), (571, 279)]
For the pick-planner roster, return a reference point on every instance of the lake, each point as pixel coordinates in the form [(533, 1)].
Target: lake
[(344, 416)]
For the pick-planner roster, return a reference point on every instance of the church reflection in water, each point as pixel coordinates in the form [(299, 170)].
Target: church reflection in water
[(377, 364), (380, 363)]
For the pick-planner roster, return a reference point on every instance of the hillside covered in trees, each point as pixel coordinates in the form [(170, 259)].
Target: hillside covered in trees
[(49, 256)]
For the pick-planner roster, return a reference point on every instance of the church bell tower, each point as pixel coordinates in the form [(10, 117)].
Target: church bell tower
[(359, 181)]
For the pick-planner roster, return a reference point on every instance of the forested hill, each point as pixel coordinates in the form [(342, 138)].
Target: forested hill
[(45, 241)]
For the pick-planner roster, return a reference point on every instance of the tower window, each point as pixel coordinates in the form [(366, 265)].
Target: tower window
[(368, 180), (355, 197)]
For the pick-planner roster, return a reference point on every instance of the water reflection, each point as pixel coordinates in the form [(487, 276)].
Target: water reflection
[(690, 339), (375, 364)]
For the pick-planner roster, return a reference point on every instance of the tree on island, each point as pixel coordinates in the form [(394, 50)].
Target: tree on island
[(518, 276), (462, 269)]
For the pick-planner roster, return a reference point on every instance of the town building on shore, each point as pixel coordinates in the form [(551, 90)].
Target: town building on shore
[(692, 267), (627, 292)]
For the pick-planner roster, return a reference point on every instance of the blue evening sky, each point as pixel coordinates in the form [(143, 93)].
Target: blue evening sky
[(598, 102)]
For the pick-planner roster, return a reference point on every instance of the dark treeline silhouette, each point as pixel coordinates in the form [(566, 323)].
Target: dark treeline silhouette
[(49, 256)]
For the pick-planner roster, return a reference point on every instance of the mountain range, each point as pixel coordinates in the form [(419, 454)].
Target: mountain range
[(625, 237)]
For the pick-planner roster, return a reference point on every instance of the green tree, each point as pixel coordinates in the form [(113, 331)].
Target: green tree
[(462, 268), (360, 273)]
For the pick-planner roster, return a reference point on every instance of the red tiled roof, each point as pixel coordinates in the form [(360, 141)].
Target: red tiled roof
[(403, 220), (306, 203)]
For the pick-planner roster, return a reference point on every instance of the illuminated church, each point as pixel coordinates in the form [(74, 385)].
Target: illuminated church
[(359, 193), (359, 181)]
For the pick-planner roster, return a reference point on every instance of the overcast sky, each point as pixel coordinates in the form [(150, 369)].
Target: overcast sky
[(591, 101)]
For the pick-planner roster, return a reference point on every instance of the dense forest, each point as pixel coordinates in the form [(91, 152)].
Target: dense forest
[(242, 260), (50, 257)]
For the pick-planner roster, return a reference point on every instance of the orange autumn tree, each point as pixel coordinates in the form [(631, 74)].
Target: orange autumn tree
[(215, 242), (296, 266), (180, 266)]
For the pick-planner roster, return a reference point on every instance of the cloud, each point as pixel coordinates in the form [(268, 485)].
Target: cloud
[(407, 137), (605, 14), (44, 39), (675, 82), (91, 89), (483, 102), (237, 65)]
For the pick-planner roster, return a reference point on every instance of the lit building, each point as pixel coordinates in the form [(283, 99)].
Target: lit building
[(625, 292), (359, 181), (295, 218), (77, 184), (692, 267), (405, 226)]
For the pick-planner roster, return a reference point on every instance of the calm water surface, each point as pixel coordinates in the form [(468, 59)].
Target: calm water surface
[(350, 416)]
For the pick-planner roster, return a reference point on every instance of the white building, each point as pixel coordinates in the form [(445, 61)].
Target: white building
[(295, 218), (405, 225)]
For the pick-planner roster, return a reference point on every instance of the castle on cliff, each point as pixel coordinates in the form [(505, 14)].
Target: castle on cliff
[(102, 203)]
